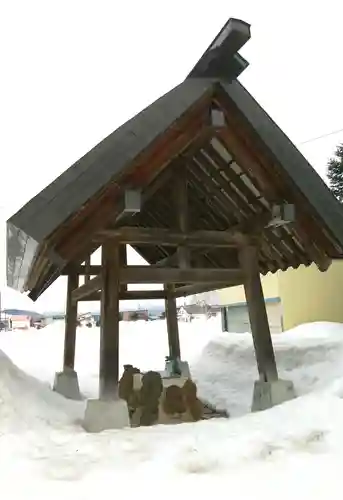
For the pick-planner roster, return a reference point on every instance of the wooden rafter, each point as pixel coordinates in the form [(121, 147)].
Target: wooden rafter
[(241, 141)]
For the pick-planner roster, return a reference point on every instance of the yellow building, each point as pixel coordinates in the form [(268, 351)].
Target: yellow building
[(293, 297), (309, 295)]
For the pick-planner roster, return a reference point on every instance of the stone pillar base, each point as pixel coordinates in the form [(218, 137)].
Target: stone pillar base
[(269, 394), (66, 383), (101, 415)]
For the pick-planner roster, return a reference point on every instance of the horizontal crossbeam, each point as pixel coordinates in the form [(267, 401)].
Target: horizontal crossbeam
[(158, 236), (185, 290), (149, 274), (130, 295)]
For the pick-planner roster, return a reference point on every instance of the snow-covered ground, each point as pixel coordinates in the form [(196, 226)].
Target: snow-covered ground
[(291, 451)]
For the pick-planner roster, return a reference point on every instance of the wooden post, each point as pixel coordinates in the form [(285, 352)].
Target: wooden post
[(248, 256), (172, 324), (109, 330), (123, 262), (70, 323)]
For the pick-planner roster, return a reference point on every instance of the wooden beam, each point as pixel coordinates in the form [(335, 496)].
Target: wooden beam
[(87, 267), (181, 202), (158, 183), (172, 323), (247, 160), (93, 269), (91, 286), (129, 295), (150, 274), (70, 323), (172, 260), (255, 224), (225, 185), (109, 329), (226, 203), (232, 176), (248, 256), (185, 290), (159, 236)]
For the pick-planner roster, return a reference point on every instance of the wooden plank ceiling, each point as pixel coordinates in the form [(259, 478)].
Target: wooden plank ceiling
[(223, 194)]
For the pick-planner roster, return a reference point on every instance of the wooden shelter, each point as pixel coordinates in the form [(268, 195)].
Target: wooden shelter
[(202, 184)]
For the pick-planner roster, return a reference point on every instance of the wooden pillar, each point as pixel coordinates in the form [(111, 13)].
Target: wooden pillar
[(109, 329), (248, 256), (123, 262), (172, 324), (181, 208), (70, 323)]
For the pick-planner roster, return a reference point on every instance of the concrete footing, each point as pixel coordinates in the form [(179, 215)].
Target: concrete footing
[(268, 394), (184, 367), (66, 383), (101, 415)]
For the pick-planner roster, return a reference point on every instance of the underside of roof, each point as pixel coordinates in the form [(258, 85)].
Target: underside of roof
[(236, 173)]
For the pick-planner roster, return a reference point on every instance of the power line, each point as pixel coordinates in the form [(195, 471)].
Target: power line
[(320, 137)]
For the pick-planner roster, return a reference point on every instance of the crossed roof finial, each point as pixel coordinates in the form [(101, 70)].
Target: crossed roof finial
[(221, 59)]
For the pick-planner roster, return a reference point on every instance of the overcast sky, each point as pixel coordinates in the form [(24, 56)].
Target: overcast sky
[(73, 71)]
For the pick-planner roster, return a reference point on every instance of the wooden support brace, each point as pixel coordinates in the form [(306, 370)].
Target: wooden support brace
[(87, 269)]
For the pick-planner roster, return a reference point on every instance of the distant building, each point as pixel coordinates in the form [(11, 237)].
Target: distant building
[(21, 322), (87, 319), (53, 318), (135, 315), (188, 312), (5, 321)]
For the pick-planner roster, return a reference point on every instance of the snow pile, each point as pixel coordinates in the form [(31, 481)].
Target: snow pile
[(26, 403), (143, 344), (294, 450), (309, 355)]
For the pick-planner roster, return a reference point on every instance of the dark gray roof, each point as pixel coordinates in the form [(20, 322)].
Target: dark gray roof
[(42, 215), (67, 194), (74, 187)]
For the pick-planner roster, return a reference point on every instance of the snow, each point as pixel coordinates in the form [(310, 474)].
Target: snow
[(290, 451)]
